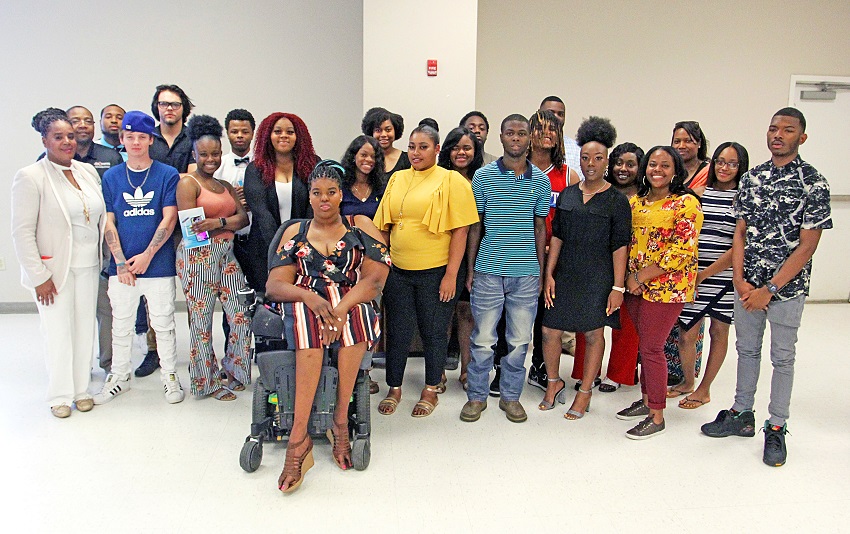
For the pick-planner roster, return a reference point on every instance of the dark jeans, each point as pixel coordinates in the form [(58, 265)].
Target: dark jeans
[(141, 317), (411, 299)]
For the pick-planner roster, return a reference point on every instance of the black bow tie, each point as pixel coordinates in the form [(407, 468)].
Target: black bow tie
[(241, 161)]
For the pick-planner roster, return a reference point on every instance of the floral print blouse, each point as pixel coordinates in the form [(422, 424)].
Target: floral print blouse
[(341, 267), (665, 232)]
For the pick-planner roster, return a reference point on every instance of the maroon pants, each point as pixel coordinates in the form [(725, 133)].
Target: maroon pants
[(653, 321), (624, 352)]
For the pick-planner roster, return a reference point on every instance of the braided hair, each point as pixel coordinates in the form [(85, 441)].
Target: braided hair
[(542, 120), (42, 120)]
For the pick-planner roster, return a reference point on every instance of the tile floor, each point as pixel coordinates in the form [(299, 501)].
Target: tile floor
[(142, 465)]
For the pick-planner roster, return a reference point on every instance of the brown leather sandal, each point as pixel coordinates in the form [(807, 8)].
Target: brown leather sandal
[(388, 405), (295, 466), (341, 446)]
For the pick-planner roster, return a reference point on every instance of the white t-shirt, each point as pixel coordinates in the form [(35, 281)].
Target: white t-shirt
[(284, 199)]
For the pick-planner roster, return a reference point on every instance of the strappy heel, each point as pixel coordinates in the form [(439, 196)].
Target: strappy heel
[(574, 415), (560, 396), (295, 466), (341, 446)]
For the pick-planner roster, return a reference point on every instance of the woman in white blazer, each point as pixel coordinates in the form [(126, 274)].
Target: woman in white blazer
[(58, 217)]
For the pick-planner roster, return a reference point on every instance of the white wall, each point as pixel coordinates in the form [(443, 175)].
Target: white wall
[(297, 56), (399, 37), (646, 65)]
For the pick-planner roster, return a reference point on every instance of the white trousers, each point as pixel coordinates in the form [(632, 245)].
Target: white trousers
[(67, 330), (160, 294)]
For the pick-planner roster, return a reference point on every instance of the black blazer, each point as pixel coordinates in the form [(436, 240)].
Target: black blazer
[(265, 220)]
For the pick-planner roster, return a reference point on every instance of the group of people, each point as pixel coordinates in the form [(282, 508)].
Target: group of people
[(554, 237)]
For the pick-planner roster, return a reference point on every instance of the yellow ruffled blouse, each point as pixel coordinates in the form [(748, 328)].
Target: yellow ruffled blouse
[(666, 232), (419, 209)]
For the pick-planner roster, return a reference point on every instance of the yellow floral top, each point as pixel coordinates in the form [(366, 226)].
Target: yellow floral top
[(665, 232)]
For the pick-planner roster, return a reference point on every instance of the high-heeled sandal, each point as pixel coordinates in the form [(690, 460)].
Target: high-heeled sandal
[(295, 466), (573, 415), (560, 396), (341, 446)]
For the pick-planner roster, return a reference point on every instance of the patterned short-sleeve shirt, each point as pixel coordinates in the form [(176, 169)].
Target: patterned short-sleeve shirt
[(776, 203)]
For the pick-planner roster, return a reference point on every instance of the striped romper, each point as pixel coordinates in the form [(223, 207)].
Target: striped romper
[(331, 277)]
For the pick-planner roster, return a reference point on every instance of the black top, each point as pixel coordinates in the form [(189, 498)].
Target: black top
[(265, 220), (100, 157), (585, 272), (178, 155), (402, 163)]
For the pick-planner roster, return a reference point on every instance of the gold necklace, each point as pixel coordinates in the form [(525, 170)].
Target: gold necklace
[(410, 187), (356, 191)]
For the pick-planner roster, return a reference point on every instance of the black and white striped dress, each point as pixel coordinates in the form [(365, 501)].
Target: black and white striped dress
[(715, 295)]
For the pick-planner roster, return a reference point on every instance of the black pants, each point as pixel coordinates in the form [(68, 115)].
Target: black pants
[(537, 350), (411, 299)]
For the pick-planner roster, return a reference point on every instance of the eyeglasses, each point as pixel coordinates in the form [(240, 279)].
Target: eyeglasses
[(169, 105), (723, 163), (87, 122)]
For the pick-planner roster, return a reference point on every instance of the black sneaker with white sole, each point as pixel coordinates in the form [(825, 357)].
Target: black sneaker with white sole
[(537, 377), (494, 385)]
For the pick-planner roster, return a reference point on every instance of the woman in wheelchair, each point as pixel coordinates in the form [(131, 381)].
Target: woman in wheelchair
[(326, 270)]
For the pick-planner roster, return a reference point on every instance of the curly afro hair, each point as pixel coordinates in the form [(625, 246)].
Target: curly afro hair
[(375, 117), (596, 129), (43, 119), (203, 126)]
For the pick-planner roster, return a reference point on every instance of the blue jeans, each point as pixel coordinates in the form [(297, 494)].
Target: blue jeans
[(784, 318), (490, 294)]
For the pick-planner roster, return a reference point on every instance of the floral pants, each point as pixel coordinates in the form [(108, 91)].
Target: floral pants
[(211, 273)]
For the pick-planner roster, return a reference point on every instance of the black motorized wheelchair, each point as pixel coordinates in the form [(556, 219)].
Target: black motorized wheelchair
[(273, 405)]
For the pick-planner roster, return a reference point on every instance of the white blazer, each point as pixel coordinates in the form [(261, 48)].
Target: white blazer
[(41, 226)]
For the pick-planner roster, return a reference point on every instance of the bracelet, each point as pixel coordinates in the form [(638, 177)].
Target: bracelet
[(223, 221), (122, 264), (635, 276), (620, 289)]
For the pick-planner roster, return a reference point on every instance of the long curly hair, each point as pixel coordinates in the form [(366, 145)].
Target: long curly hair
[(304, 155), (376, 177)]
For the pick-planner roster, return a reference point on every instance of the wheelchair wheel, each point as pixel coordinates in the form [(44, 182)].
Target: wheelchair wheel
[(260, 402), (363, 404), (251, 455), (361, 453)]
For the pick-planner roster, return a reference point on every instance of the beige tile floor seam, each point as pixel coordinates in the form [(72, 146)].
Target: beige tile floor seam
[(139, 464)]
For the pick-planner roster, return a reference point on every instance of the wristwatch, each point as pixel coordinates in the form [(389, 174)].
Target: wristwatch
[(223, 221), (771, 287)]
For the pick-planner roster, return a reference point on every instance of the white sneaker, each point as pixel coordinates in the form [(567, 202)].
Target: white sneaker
[(173, 390), (113, 387)]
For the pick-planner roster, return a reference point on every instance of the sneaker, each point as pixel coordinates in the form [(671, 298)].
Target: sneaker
[(173, 390), (494, 385), (646, 429), (113, 387), (471, 411), (637, 410), (84, 405), (514, 411), (730, 424), (61, 411), (149, 365), (775, 452), (537, 378)]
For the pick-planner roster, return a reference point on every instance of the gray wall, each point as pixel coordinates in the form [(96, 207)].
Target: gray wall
[(297, 56)]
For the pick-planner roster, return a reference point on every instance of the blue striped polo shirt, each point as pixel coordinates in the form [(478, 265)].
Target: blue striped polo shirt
[(508, 204)]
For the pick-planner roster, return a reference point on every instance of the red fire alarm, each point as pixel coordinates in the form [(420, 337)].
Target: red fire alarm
[(432, 67)]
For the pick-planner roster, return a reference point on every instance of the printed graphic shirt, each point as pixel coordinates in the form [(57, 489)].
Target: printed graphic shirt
[(776, 203), (137, 204)]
